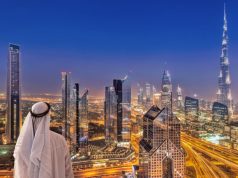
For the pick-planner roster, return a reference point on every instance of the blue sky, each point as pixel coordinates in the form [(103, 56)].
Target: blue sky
[(101, 40)]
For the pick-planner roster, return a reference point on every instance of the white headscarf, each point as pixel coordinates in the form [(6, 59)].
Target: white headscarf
[(32, 152)]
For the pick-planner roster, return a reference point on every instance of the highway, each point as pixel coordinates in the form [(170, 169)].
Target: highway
[(210, 160)]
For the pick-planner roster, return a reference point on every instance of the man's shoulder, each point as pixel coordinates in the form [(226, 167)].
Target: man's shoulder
[(57, 139)]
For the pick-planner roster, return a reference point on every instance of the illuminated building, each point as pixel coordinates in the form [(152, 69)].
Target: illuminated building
[(83, 113), (148, 93), (76, 114), (219, 117), (224, 80), (179, 98), (191, 105), (157, 99), (161, 154), (14, 118), (66, 88), (153, 90), (140, 95), (118, 89), (191, 112), (123, 92), (110, 114), (166, 90), (233, 133)]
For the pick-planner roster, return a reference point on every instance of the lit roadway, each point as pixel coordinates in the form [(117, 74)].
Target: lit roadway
[(207, 158), (93, 172)]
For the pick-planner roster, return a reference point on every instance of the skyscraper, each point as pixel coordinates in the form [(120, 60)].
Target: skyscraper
[(117, 84), (14, 118), (83, 110), (224, 80), (126, 111), (161, 154), (179, 98), (76, 114), (140, 95), (110, 114), (191, 107), (219, 117), (166, 88), (148, 93), (123, 93), (66, 88)]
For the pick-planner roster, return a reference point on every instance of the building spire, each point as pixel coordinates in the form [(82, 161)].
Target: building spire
[(225, 19)]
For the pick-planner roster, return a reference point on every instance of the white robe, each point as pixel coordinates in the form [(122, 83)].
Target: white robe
[(43, 155), (61, 163)]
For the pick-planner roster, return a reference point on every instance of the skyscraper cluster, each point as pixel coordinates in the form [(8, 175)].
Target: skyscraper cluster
[(74, 112), (145, 95), (117, 113), (149, 95)]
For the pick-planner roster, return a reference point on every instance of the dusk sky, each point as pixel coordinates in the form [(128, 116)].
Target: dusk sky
[(98, 40)]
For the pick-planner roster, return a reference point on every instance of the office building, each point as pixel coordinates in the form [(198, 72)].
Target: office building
[(166, 88), (110, 114), (84, 123), (66, 103), (14, 118), (161, 154), (123, 93)]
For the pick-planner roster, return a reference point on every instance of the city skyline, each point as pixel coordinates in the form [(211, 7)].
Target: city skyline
[(133, 53), (123, 89)]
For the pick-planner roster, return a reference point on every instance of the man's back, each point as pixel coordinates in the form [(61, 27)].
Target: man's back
[(61, 164)]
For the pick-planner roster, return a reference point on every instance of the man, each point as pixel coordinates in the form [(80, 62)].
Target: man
[(39, 152)]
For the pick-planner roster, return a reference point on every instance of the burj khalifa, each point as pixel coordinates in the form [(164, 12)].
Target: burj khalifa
[(224, 80)]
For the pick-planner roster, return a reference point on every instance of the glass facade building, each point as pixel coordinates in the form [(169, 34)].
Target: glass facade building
[(123, 93), (220, 117), (110, 114), (14, 118), (161, 154), (66, 103), (166, 88), (84, 123)]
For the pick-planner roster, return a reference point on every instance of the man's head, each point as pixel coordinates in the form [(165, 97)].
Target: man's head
[(38, 111)]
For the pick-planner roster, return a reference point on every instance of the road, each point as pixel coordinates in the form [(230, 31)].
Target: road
[(210, 160), (115, 171)]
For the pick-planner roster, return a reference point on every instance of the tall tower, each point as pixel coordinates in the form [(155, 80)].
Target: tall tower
[(66, 84), (166, 90), (123, 93), (110, 114), (76, 114), (224, 80), (179, 98), (14, 119), (83, 109), (148, 93), (140, 94)]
